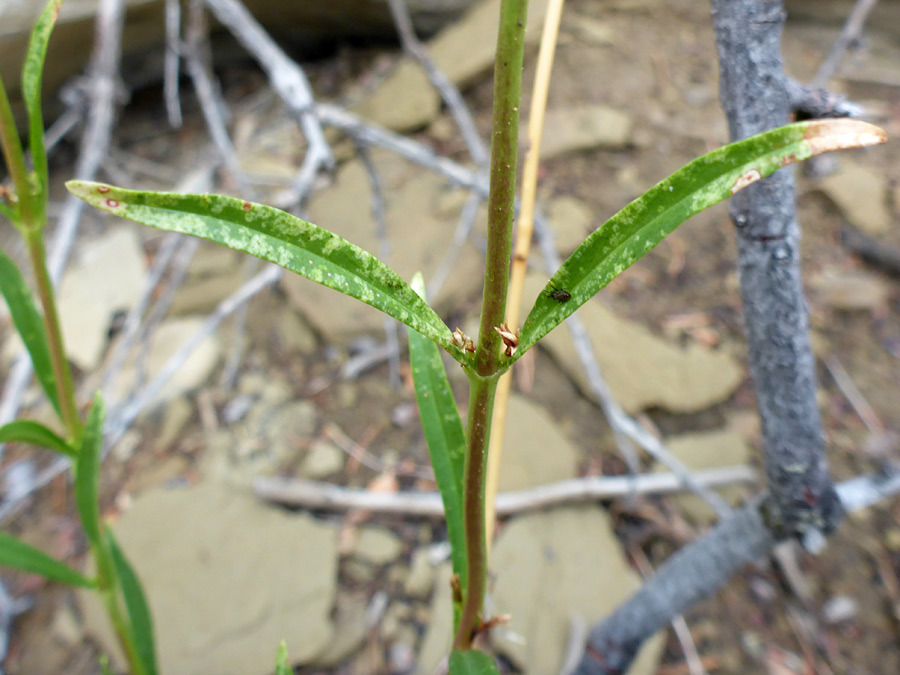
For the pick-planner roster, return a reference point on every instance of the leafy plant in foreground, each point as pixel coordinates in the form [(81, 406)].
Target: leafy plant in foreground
[(457, 451), (319, 255), (82, 440)]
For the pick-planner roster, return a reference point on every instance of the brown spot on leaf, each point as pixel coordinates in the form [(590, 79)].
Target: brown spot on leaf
[(246, 206), (112, 203), (745, 179), (838, 134), (788, 159), (103, 189)]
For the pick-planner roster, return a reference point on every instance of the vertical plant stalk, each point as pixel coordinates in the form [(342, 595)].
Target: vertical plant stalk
[(11, 146), (31, 224), (752, 93), (483, 382), (62, 372), (522, 246)]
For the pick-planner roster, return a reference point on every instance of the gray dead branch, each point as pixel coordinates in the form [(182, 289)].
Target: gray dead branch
[(316, 495), (699, 570), (748, 37)]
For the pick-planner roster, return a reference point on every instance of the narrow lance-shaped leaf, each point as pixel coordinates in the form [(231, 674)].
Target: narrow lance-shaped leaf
[(276, 236), (444, 435), (472, 662), (281, 660), (87, 473), (35, 433), (21, 556), (32, 71), (641, 225), (29, 324), (136, 605)]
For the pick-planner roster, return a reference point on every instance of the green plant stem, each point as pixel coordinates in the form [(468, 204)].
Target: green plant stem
[(481, 403), (61, 370), (108, 588), (501, 199), (483, 383), (15, 158)]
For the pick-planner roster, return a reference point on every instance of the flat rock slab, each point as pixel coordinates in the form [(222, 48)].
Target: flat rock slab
[(227, 579), (462, 51), (709, 450), (642, 369), (108, 277), (439, 635), (167, 339), (589, 127), (552, 567), (861, 194), (535, 451)]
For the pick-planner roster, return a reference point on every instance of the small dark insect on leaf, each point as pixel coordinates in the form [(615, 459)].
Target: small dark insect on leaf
[(560, 295)]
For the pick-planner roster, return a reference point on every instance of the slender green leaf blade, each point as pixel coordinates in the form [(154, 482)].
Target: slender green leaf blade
[(136, 605), (29, 324), (32, 71), (21, 556), (87, 473), (641, 225), (35, 433), (472, 662), (276, 236), (281, 661), (444, 435)]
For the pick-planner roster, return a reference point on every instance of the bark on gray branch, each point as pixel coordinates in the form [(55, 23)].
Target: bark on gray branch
[(753, 94), (813, 103), (692, 574), (698, 571)]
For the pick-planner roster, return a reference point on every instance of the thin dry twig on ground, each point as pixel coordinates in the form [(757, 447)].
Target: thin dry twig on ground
[(172, 62), (208, 94), (102, 86), (176, 249), (464, 225), (314, 495), (288, 80), (444, 86), (849, 34), (379, 216), (620, 422), (232, 366), (855, 397), (121, 418)]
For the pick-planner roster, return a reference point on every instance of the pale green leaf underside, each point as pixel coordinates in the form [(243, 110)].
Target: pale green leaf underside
[(136, 605), (276, 236), (641, 225), (444, 436), (21, 556)]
